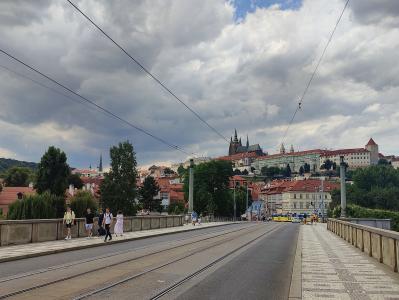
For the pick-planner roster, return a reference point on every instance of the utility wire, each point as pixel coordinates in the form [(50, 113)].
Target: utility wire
[(108, 112), (298, 108), (148, 72)]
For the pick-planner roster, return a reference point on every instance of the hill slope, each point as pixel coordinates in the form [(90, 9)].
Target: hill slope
[(6, 163)]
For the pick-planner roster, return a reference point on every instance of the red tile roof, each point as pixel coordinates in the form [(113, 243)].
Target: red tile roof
[(309, 185), (238, 156), (10, 194), (344, 151), (314, 151), (371, 143)]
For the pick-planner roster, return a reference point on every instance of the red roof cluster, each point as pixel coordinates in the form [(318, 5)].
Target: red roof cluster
[(309, 185), (314, 151), (175, 190), (10, 194), (344, 151)]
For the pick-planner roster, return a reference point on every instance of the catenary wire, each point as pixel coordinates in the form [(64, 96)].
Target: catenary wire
[(108, 112), (142, 67), (299, 107)]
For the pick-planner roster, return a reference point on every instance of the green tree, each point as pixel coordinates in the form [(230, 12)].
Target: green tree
[(287, 171), (237, 172), (327, 165), (181, 171), (81, 201), (301, 170), (40, 206), (118, 189), (18, 176), (75, 180), (211, 188), (147, 192), (176, 208), (383, 162), (306, 168), (53, 172), (241, 200), (168, 171), (271, 172), (245, 172)]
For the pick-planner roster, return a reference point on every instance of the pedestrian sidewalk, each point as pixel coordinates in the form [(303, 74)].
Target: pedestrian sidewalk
[(9, 253), (334, 269)]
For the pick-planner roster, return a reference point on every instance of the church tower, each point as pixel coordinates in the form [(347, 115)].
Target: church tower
[(282, 149), (372, 147)]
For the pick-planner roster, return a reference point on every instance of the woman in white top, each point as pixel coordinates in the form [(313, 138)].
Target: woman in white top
[(118, 229), (69, 218)]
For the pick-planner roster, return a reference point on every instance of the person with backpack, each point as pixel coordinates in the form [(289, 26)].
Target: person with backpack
[(107, 222), (69, 219)]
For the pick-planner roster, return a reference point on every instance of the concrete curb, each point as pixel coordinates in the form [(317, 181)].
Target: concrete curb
[(296, 279), (48, 252)]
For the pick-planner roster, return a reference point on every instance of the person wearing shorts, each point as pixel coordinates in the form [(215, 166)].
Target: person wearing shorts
[(69, 218), (89, 216)]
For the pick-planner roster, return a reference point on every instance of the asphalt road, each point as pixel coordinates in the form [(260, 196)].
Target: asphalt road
[(262, 272), (243, 261)]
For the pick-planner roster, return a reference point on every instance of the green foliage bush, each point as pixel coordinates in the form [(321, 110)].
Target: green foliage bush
[(355, 211), (81, 201), (44, 206), (176, 208)]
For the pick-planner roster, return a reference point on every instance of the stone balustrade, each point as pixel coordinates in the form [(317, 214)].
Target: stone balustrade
[(13, 232), (379, 243)]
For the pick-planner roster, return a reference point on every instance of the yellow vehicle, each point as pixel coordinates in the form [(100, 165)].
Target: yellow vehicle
[(281, 218)]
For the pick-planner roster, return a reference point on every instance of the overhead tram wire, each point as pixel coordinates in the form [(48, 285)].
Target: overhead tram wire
[(142, 67), (314, 71), (87, 100)]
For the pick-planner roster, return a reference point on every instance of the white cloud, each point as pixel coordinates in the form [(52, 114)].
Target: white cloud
[(245, 75)]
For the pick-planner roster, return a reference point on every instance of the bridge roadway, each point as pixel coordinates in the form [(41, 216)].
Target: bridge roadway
[(240, 261)]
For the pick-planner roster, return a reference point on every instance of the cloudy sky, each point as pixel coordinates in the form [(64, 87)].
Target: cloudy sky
[(240, 64)]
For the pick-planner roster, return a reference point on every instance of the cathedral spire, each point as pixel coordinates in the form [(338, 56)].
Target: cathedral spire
[(247, 142), (100, 165), (235, 136)]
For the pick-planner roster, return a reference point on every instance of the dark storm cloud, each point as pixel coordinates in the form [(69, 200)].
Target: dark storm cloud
[(376, 11)]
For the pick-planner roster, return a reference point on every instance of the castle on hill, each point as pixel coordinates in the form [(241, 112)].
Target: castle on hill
[(236, 146)]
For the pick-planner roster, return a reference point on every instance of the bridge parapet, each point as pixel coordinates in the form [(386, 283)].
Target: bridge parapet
[(379, 243), (14, 232)]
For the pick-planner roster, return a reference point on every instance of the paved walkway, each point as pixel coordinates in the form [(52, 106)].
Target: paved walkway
[(334, 269), (37, 249)]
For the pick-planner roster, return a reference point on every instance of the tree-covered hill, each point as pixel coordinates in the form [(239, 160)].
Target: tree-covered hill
[(7, 163)]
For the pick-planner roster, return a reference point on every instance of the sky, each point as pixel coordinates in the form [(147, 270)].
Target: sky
[(239, 64)]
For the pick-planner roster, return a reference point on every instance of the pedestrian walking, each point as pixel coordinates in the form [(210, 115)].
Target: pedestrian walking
[(199, 219), (187, 218), (107, 222), (89, 216), (69, 219), (194, 216), (101, 230), (118, 229)]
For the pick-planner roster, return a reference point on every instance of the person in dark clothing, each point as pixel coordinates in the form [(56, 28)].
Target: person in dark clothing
[(101, 230), (108, 218), (89, 216)]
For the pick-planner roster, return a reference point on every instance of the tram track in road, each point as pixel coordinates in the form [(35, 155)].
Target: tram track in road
[(81, 274), (169, 263), (114, 254)]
